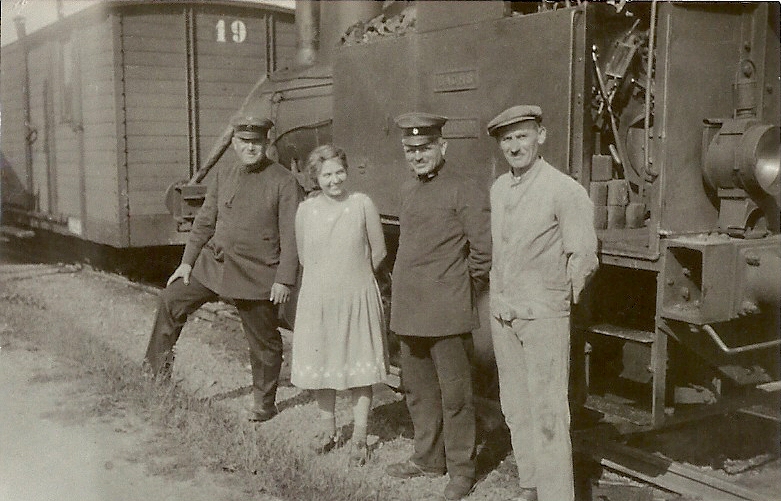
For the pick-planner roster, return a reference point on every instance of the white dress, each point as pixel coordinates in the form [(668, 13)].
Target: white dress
[(339, 338)]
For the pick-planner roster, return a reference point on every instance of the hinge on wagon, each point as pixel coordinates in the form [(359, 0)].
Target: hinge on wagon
[(183, 200)]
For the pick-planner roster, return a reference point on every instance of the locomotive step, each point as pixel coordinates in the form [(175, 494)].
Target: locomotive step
[(636, 335), (770, 387), (763, 412)]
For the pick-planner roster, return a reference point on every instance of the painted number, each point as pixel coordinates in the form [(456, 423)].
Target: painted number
[(238, 31)]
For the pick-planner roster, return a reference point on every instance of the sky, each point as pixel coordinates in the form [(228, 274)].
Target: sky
[(39, 13)]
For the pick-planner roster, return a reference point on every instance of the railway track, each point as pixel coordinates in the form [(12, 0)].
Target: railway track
[(670, 476)]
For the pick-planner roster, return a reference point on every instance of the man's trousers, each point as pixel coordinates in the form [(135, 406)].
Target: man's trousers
[(436, 374), (533, 361), (259, 322)]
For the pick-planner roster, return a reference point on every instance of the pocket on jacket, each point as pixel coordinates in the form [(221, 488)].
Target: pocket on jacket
[(216, 250), (265, 249)]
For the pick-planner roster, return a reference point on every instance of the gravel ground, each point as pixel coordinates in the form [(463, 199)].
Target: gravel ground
[(212, 361), (53, 449)]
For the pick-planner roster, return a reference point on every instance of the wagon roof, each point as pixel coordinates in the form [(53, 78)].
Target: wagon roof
[(43, 20)]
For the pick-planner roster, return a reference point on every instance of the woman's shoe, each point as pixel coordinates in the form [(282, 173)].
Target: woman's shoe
[(359, 453), (324, 441)]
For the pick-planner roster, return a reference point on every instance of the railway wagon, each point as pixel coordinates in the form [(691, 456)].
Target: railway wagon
[(104, 109), (666, 112)]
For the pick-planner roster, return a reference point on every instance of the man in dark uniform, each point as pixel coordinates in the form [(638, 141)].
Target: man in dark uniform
[(444, 255), (242, 247)]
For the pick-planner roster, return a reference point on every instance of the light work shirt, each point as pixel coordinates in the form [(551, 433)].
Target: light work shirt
[(544, 243)]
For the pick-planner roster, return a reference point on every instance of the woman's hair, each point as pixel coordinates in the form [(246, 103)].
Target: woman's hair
[(319, 155)]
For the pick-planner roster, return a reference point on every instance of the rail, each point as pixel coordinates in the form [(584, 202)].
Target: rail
[(669, 475)]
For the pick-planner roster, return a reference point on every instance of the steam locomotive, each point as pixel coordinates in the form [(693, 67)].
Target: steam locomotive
[(666, 112)]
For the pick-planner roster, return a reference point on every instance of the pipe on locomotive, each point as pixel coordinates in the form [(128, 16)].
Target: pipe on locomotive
[(307, 20)]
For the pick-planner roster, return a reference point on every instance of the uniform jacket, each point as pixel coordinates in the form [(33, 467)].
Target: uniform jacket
[(544, 243), (243, 239), (444, 250)]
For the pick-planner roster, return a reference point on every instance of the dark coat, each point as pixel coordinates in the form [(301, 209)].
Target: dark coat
[(444, 254), (243, 240)]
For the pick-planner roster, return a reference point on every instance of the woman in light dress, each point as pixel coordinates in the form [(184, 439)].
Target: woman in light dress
[(339, 338)]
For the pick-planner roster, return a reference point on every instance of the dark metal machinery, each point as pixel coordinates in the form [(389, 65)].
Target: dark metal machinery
[(667, 113)]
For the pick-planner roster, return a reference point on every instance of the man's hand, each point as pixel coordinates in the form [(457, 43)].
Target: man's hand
[(183, 272), (280, 293)]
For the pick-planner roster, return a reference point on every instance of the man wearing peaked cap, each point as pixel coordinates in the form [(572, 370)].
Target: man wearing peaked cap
[(421, 138), (250, 127), (513, 115), (241, 246), (419, 128), (442, 263), (544, 252)]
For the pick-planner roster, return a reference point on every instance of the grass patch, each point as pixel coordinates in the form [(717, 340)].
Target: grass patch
[(252, 460), (191, 433)]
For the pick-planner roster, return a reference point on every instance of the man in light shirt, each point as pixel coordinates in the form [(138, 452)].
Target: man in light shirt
[(544, 251)]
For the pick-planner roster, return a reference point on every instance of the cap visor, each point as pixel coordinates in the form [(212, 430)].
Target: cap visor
[(249, 135), (496, 129), (417, 140)]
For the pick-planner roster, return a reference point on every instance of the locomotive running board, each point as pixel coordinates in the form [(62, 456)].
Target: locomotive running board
[(628, 334), (771, 413)]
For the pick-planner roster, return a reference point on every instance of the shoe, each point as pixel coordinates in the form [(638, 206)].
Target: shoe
[(410, 470), (527, 494), (459, 487), (324, 441), (359, 454), (263, 415)]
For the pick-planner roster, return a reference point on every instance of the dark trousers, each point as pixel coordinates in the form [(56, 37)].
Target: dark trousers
[(258, 318), (437, 379)]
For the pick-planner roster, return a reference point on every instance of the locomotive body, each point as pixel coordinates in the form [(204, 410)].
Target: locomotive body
[(104, 109), (667, 113)]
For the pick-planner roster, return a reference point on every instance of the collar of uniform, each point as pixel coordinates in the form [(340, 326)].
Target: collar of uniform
[(424, 178), (516, 180), (258, 166)]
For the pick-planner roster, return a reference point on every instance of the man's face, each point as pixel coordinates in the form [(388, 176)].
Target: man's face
[(250, 151), (520, 143), (425, 158)]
